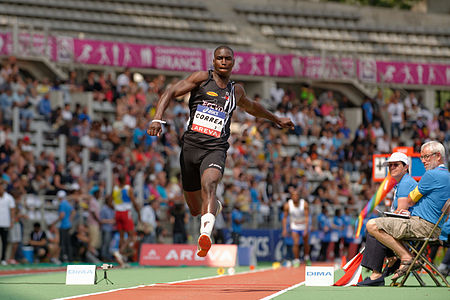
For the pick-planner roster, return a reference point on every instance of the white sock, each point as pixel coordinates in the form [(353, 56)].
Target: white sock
[(207, 223)]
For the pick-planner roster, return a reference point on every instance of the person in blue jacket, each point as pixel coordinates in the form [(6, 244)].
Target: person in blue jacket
[(428, 199), (375, 251)]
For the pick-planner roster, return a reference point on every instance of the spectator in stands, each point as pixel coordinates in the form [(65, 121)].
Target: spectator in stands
[(7, 217), (149, 221), (60, 181), (336, 234), (444, 266), (44, 107), (67, 113), (383, 144), (83, 115), (26, 110), (237, 219), (179, 218), (276, 94), (54, 248), (107, 219), (6, 104), (123, 80), (348, 232), (396, 110), (90, 84), (93, 220), (16, 232), (218, 233), (66, 216), (39, 242), (80, 242), (325, 233)]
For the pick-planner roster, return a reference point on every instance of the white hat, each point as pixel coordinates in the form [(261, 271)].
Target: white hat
[(61, 194), (397, 156)]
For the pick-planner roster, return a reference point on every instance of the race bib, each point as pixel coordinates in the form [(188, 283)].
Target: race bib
[(208, 121)]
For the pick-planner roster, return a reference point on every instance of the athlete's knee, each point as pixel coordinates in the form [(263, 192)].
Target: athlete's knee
[(209, 184), (210, 180)]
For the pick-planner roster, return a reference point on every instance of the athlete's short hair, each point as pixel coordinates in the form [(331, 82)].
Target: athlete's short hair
[(223, 47)]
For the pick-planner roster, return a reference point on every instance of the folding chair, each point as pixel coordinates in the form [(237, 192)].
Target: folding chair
[(417, 247)]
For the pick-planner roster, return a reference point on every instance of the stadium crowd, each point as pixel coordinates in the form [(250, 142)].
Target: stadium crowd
[(322, 157)]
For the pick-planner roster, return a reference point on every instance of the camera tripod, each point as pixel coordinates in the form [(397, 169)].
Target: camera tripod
[(105, 277)]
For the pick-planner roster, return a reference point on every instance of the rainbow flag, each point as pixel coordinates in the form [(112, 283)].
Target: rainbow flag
[(387, 185)]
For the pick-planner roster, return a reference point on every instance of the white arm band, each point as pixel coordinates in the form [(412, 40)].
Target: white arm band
[(159, 121)]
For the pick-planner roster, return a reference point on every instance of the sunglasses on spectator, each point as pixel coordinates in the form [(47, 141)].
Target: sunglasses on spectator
[(394, 165)]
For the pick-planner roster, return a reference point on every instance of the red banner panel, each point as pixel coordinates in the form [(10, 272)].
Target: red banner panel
[(180, 254)]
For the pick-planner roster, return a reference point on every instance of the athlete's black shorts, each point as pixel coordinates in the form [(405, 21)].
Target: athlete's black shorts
[(194, 161)]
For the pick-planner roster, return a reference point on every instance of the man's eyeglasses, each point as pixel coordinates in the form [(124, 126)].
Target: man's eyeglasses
[(427, 156)]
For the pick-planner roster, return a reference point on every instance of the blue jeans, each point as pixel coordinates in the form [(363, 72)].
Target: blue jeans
[(396, 130), (106, 242)]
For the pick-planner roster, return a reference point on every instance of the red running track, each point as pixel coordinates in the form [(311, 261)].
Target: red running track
[(251, 285)]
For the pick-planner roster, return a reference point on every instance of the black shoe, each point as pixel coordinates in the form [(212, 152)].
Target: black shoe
[(370, 282), (388, 271)]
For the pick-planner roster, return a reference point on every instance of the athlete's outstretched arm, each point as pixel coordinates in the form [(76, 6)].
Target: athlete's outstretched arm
[(178, 89), (257, 110)]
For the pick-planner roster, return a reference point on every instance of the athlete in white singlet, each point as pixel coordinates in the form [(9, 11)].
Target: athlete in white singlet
[(298, 212)]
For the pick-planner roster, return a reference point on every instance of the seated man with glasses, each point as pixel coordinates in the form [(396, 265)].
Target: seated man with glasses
[(375, 252), (428, 198)]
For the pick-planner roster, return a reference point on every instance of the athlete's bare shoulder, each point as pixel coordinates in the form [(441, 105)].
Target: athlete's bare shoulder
[(188, 84), (198, 77)]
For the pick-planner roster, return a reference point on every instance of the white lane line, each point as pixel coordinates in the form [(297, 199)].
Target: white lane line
[(161, 283), (283, 291)]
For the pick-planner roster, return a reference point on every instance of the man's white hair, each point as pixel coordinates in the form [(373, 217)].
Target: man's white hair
[(434, 146)]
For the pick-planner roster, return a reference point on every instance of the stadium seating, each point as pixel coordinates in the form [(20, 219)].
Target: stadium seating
[(146, 20), (305, 28), (291, 26)]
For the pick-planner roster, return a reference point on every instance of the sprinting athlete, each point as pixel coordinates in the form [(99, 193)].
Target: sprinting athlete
[(213, 99), (298, 211)]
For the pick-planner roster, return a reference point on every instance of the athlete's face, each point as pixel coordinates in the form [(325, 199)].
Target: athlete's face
[(295, 196), (223, 62)]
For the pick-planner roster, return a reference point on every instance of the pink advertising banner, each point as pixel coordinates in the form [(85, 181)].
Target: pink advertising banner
[(293, 66), (403, 73), (413, 73), (29, 45), (110, 53), (3, 39), (134, 55)]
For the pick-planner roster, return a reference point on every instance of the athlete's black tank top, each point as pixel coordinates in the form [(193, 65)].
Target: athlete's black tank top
[(211, 109)]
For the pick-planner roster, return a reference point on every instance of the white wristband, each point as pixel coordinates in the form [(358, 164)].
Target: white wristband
[(158, 121)]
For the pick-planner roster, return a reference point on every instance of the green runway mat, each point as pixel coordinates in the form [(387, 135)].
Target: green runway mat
[(52, 285)]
